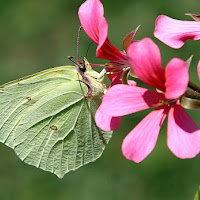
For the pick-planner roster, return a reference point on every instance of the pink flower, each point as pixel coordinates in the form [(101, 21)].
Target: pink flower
[(174, 33), (107, 122), (91, 15), (183, 135)]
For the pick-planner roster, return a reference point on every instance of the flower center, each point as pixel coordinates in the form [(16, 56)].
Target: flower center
[(167, 102)]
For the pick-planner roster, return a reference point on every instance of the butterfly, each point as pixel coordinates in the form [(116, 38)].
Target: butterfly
[(48, 118)]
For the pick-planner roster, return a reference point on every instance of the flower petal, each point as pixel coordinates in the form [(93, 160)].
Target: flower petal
[(106, 50), (91, 15), (106, 122), (198, 69), (177, 78), (140, 142), (183, 135), (125, 99), (131, 83), (144, 58), (174, 32), (114, 75)]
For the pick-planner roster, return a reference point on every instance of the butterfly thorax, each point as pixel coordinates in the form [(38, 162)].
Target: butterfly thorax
[(94, 80)]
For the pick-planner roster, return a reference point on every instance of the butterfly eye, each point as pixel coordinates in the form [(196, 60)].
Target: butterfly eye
[(82, 68)]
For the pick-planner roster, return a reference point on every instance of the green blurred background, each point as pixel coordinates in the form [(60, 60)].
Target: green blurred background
[(38, 34)]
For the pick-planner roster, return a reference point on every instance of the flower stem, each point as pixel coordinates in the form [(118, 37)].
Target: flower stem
[(190, 100), (125, 77), (194, 87), (192, 94)]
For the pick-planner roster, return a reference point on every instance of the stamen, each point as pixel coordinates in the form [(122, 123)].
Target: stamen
[(162, 102), (97, 65), (167, 102)]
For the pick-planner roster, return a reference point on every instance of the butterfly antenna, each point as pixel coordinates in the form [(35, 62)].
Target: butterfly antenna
[(71, 59), (77, 44), (88, 48)]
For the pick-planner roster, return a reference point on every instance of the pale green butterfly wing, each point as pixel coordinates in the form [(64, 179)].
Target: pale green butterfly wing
[(48, 121), (197, 195)]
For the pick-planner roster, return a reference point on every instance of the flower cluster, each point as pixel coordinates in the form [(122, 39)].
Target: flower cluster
[(169, 93)]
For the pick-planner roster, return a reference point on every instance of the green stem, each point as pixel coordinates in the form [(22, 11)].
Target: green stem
[(125, 77)]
